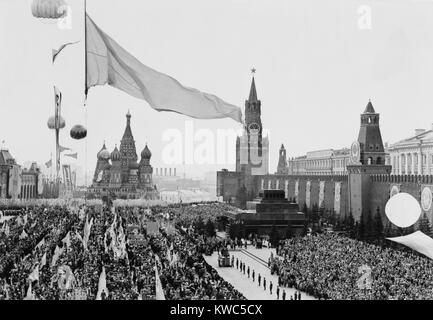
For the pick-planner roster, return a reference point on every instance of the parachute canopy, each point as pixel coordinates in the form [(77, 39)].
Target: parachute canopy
[(78, 132), (52, 123), (49, 9)]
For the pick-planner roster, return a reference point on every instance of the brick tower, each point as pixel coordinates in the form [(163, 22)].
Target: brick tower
[(367, 158)]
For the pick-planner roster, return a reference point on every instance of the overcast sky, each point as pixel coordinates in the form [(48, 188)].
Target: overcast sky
[(316, 70)]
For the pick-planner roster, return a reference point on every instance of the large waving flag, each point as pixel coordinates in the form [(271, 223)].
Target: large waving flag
[(109, 63)]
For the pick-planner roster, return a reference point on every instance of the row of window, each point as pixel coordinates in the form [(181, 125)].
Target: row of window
[(308, 164)]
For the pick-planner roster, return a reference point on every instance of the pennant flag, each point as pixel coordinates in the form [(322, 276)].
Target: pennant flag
[(57, 254), (109, 63), (56, 52), (23, 235), (158, 286), (67, 240), (6, 290), (78, 236), (40, 244), (34, 276), (87, 228), (62, 149), (43, 260), (49, 163), (30, 295), (102, 285), (72, 155)]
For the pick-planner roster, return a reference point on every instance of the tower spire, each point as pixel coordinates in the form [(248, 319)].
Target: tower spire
[(369, 108), (253, 91)]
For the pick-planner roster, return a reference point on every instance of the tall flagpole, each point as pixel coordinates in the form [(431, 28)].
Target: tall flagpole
[(85, 91), (85, 52)]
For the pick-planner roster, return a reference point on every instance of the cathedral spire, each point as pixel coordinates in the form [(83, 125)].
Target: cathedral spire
[(128, 132)]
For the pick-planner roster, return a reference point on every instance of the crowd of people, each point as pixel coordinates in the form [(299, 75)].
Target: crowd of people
[(185, 275), (56, 252), (53, 252), (50, 253), (330, 266), (261, 279)]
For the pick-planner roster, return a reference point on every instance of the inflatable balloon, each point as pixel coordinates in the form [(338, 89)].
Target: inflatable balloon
[(49, 9), (78, 132), (52, 123)]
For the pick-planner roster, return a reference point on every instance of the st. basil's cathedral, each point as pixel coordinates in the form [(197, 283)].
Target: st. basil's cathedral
[(120, 173)]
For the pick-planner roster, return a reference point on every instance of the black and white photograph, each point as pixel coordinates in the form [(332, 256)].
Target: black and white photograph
[(230, 153)]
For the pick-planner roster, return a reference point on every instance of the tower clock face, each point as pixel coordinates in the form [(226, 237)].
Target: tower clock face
[(254, 128), (355, 152)]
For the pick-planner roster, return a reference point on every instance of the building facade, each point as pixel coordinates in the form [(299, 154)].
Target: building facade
[(339, 181), (120, 173), (18, 183), (414, 155), (321, 162)]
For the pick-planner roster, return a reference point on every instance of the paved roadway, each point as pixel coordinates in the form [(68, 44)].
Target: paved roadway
[(256, 259)]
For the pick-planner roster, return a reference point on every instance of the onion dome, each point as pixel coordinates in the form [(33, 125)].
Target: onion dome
[(52, 123), (115, 155), (146, 154), (104, 154)]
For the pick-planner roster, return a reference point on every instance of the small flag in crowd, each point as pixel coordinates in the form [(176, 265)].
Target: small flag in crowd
[(57, 254), (44, 260), (87, 228), (67, 240), (30, 295), (159, 291), (102, 285), (23, 235), (34, 276)]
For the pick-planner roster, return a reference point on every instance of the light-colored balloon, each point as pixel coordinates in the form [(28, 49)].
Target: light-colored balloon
[(49, 9), (403, 210)]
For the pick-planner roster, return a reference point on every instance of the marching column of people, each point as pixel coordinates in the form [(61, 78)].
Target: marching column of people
[(261, 280)]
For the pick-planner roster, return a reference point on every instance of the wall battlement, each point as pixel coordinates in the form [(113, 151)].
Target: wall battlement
[(424, 179)]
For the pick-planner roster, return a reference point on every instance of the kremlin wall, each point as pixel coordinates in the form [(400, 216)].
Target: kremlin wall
[(363, 187)]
